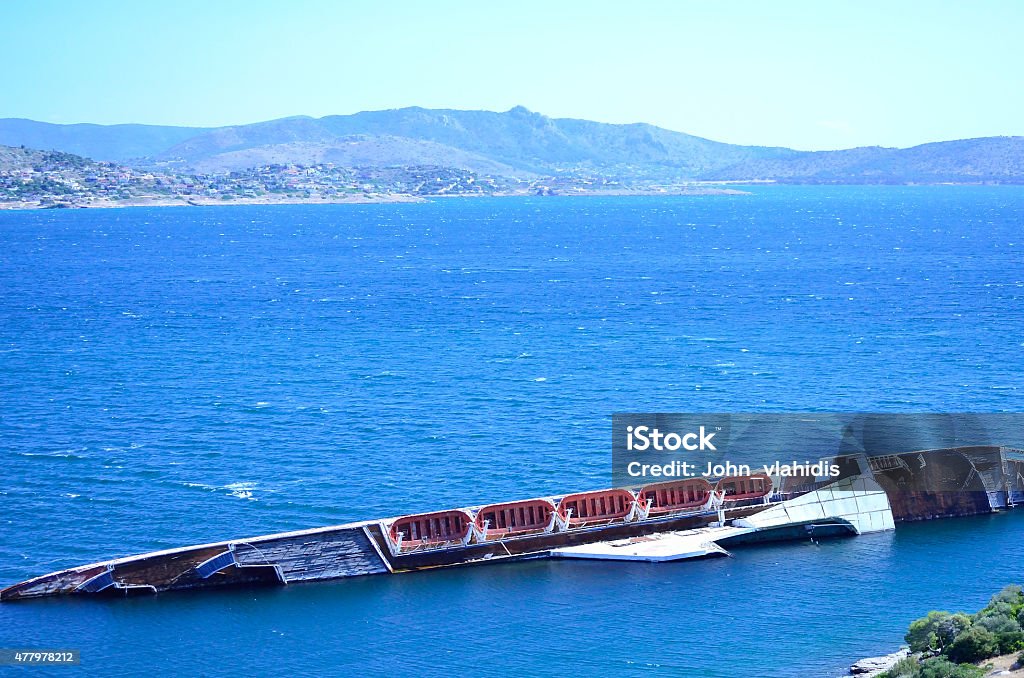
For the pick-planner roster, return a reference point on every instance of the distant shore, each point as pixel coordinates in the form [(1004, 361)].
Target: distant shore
[(353, 199), (105, 203)]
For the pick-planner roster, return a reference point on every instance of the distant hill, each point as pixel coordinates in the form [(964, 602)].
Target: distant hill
[(989, 159), (222, 150), (115, 143), (514, 141), (16, 159), (531, 141), (517, 142)]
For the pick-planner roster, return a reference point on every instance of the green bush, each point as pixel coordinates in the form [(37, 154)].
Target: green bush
[(1005, 609), (1011, 594), (998, 623), (1010, 641), (998, 610), (973, 645), (937, 667), (908, 667)]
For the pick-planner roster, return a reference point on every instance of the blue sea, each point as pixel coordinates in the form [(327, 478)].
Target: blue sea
[(171, 376)]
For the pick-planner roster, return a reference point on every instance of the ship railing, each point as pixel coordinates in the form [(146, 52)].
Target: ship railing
[(104, 581), (480, 534), (1013, 454), (708, 505), (748, 498), (785, 492), (596, 522), (402, 545)]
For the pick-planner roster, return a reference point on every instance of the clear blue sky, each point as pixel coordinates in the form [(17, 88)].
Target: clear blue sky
[(810, 75)]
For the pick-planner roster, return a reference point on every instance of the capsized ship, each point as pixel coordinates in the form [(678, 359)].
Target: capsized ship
[(672, 520)]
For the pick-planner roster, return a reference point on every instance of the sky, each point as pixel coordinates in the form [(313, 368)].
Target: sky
[(810, 75)]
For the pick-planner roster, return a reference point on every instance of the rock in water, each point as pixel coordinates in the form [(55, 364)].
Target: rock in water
[(872, 666)]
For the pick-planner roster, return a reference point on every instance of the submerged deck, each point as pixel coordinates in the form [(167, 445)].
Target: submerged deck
[(656, 548)]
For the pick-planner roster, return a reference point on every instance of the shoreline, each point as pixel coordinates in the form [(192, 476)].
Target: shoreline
[(718, 189), (104, 203), (872, 667), (360, 199)]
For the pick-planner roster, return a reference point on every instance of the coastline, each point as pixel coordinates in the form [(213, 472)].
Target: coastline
[(354, 199), (1005, 665), (183, 201)]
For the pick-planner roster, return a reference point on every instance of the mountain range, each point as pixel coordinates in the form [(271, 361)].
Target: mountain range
[(514, 143)]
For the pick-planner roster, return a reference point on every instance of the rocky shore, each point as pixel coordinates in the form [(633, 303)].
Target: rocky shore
[(875, 666), (1005, 666)]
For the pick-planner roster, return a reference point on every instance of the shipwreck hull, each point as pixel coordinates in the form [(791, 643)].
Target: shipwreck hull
[(962, 481), (918, 486), (310, 555), (315, 555)]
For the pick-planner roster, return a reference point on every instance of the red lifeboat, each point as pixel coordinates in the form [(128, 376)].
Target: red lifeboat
[(595, 508), (515, 518), (675, 495), (738, 488), (430, 529)]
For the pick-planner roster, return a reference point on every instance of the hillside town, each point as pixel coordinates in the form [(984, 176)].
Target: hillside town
[(54, 179)]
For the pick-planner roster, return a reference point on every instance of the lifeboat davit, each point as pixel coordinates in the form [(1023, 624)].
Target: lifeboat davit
[(430, 529), (595, 508), (515, 518), (675, 495), (738, 488)]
